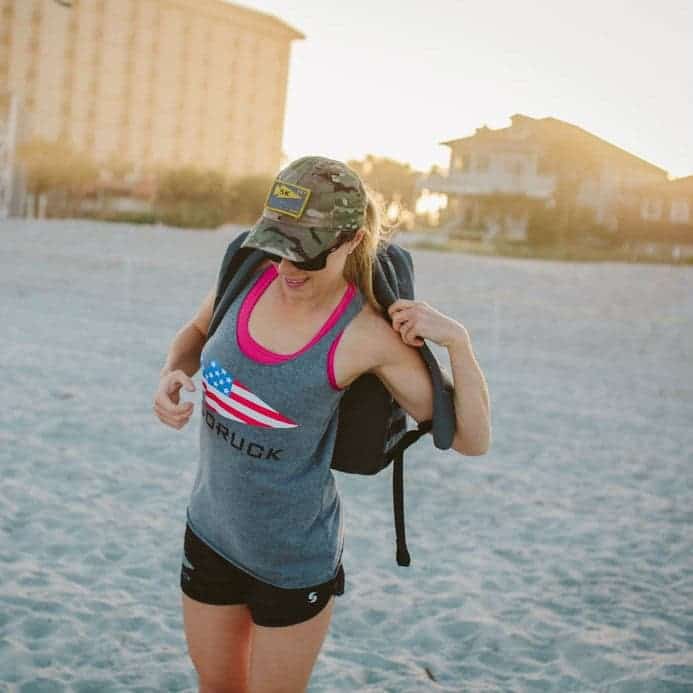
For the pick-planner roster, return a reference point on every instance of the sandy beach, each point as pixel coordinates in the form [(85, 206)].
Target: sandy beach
[(560, 561)]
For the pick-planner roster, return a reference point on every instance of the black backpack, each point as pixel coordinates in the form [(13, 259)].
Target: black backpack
[(372, 428)]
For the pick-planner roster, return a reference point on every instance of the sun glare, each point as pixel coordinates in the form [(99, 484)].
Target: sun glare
[(431, 202)]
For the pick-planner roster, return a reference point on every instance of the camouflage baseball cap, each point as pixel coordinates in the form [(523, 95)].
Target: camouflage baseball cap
[(311, 202)]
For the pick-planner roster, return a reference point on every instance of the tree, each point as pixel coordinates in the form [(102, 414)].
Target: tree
[(83, 173), (192, 197), (117, 167), (191, 184), (247, 197), (395, 181), (54, 165)]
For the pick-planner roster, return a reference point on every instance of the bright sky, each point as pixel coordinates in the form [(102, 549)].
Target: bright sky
[(396, 78)]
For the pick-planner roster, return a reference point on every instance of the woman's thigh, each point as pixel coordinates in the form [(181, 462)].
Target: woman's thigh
[(217, 620), (219, 641), (282, 659)]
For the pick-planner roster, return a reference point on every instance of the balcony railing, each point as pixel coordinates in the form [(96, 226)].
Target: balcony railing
[(491, 183)]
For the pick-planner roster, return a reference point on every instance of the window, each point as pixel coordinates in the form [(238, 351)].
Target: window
[(679, 212), (544, 165), (482, 161), (514, 166), (651, 209)]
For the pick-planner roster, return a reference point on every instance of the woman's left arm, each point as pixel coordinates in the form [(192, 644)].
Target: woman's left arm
[(416, 321)]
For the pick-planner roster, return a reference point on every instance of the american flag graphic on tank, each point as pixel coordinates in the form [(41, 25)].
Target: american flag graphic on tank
[(233, 400)]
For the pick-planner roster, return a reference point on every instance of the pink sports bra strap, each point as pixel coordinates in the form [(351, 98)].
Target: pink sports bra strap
[(256, 351)]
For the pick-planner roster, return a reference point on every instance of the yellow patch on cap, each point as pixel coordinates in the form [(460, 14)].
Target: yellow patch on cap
[(287, 198)]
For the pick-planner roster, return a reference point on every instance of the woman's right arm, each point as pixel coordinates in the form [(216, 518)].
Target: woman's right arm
[(182, 362)]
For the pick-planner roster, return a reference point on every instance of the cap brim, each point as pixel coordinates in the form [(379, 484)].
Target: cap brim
[(295, 243)]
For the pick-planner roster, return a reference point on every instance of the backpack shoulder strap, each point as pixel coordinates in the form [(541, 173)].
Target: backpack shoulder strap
[(232, 258), (393, 279), (403, 264), (236, 269)]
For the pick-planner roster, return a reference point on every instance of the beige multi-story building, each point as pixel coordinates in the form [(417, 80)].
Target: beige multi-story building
[(152, 82)]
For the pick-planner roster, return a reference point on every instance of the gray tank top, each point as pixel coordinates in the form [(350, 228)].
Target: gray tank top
[(264, 496)]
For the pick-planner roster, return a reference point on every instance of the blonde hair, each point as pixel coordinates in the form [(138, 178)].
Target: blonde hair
[(359, 264)]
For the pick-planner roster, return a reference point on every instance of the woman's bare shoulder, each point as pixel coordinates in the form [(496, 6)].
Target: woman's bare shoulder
[(370, 337), (369, 320), (369, 344)]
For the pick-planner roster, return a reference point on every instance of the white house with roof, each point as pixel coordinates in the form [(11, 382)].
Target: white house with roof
[(499, 177), (660, 214)]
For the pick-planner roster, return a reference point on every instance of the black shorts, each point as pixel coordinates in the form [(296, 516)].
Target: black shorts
[(208, 577)]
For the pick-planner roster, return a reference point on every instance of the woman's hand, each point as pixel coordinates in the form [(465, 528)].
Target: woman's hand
[(167, 404), (416, 321)]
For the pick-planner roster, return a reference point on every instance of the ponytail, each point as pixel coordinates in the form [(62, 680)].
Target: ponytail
[(359, 265)]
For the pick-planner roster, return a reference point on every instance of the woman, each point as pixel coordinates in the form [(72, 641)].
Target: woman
[(263, 540)]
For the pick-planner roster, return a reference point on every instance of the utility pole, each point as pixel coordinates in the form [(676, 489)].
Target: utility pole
[(8, 144)]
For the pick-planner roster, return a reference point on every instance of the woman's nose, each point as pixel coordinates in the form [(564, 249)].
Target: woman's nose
[(287, 264)]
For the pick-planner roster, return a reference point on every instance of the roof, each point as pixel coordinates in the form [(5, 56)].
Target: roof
[(681, 185), (543, 129), (669, 189), (280, 23)]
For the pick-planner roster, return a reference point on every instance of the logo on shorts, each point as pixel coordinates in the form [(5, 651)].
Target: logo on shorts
[(187, 563), (313, 597)]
